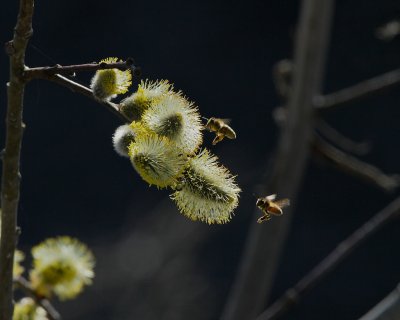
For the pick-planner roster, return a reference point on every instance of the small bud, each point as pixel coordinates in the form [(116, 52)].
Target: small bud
[(122, 138), (157, 160), (209, 192), (174, 117), (108, 83), (148, 91)]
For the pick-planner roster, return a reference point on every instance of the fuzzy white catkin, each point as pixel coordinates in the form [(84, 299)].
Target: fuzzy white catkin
[(209, 193), (122, 137), (176, 118)]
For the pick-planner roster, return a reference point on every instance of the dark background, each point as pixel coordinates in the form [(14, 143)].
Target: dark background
[(152, 262)]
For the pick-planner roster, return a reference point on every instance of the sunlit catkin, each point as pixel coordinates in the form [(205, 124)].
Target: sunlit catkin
[(108, 83), (61, 266), (209, 192), (148, 91), (157, 160), (124, 135), (174, 117)]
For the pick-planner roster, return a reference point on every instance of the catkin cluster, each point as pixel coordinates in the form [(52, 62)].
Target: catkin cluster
[(163, 142), (61, 267)]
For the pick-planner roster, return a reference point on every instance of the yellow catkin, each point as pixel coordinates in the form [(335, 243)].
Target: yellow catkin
[(209, 192)]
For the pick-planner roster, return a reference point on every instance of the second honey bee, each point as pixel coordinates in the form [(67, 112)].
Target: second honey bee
[(221, 129), (268, 205)]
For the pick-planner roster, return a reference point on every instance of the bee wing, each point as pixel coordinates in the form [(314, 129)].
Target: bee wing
[(271, 197), (226, 120), (283, 203)]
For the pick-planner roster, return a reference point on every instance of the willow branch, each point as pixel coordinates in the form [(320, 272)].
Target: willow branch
[(293, 295), (387, 309), (87, 92), (10, 184), (354, 166), (359, 91), (24, 286), (44, 72), (265, 242)]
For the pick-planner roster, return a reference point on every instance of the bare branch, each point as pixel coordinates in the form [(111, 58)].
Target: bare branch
[(293, 295), (10, 184), (79, 88), (354, 166), (387, 309), (264, 244), (359, 91), (337, 138), (44, 72), (24, 285)]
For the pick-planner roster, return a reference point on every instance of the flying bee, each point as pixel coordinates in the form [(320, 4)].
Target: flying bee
[(221, 129), (268, 205)]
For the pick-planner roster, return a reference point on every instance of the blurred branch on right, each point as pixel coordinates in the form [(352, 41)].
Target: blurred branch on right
[(387, 309), (304, 133)]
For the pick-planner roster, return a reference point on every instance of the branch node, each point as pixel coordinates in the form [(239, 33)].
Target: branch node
[(9, 48), (137, 71), (282, 73), (130, 61), (26, 34), (292, 296), (18, 231)]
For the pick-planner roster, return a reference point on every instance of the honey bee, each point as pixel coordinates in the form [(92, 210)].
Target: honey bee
[(221, 129), (268, 205)]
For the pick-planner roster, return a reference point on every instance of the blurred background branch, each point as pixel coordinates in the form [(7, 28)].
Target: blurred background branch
[(358, 91), (350, 164), (292, 296), (387, 309), (263, 248)]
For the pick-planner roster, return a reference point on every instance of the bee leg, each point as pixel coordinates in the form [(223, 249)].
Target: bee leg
[(219, 137), (265, 217)]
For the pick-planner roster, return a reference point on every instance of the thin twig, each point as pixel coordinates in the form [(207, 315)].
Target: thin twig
[(343, 142), (44, 72), (10, 184), (387, 309), (265, 242), (24, 285), (354, 166), (293, 295), (359, 91), (79, 88)]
